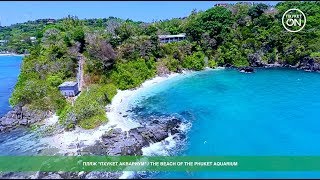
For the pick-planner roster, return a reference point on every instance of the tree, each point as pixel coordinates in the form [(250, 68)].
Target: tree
[(102, 51), (195, 61), (78, 35), (124, 31), (215, 22), (257, 10)]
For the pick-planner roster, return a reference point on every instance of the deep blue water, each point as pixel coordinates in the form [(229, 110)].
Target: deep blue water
[(9, 72), (270, 112)]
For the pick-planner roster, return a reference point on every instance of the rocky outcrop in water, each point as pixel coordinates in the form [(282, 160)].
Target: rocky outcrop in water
[(115, 143), (246, 69), (21, 116), (306, 64), (118, 142), (309, 64)]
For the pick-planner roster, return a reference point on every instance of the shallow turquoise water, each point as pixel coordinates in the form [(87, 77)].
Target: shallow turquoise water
[(270, 112), (9, 71)]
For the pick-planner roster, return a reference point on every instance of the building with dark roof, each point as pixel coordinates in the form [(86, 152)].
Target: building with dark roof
[(69, 89)]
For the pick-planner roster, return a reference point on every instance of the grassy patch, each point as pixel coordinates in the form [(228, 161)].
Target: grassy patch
[(93, 121)]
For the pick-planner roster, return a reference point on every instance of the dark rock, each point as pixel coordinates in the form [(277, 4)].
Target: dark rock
[(160, 135), (156, 121), (2, 128), (31, 121), (179, 70), (103, 175), (10, 114), (162, 70), (23, 122), (309, 64), (117, 142), (21, 115), (57, 175), (15, 122), (114, 151), (255, 60), (52, 176), (18, 109), (138, 137), (246, 69), (173, 123), (7, 122), (228, 65), (68, 175)]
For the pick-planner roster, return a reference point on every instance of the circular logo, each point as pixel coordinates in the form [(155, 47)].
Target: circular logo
[(294, 20)]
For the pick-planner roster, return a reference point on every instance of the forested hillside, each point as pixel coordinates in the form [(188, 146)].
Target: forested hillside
[(122, 54)]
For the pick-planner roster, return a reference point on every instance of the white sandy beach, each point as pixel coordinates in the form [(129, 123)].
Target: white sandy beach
[(120, 103)]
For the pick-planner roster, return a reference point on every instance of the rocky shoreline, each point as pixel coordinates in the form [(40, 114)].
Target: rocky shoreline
[(21, 116), (306, 64), (117, 142)]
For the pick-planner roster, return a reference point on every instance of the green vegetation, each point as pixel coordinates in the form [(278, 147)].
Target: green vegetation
[(122, 54), (133, 73), (195, 61), (89, 108)]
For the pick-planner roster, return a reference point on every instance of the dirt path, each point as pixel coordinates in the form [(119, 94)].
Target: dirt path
[(80, 76)]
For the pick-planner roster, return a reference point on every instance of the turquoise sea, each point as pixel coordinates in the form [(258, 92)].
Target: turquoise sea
[(9, 72), (271, 112)]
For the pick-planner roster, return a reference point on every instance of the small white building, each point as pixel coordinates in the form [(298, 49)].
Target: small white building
[(69, 89), (172, 38)]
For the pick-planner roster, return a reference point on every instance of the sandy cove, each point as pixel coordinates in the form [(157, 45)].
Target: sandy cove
[(68, 141)]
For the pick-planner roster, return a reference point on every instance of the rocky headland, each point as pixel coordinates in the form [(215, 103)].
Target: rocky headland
[(21, 116), (117, 142), (307, 64)]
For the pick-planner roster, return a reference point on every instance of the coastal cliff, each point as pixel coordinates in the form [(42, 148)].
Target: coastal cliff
[(21, 116), (306, 63)]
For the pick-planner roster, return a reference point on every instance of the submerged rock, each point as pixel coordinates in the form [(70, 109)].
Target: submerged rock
[(246, 70)]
